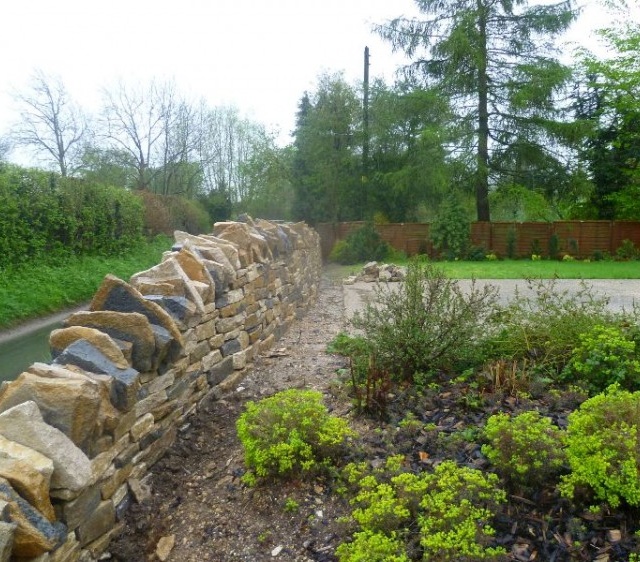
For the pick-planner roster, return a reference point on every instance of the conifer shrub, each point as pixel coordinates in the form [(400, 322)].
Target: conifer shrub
[(526, 450), (360, 245), (445, 514), (450, 230), (289, 433), (605, 355), (603, 449)]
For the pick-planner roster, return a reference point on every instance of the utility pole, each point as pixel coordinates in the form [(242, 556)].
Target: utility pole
[(365, 131)]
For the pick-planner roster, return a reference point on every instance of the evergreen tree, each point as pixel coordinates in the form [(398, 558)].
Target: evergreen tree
[(326, 165), (494, 59)]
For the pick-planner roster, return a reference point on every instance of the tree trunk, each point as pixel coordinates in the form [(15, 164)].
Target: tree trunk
[(482, 172)]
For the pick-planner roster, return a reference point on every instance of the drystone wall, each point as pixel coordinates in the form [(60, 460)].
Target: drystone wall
[(78, 435)]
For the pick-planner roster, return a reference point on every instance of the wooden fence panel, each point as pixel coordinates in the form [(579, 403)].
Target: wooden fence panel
[(577, 238)]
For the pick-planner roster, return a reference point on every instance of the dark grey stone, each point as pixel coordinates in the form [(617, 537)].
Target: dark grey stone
[(83, 354), (220, 371), (230, 347)]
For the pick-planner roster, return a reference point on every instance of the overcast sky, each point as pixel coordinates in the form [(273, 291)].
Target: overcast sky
[(257, 55)]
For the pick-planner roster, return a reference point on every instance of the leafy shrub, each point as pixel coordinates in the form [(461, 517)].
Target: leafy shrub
[(627, 251), (427, 324), (545, 326), (605, 356), (603, 448), (163, 214), (449, 232), (363, 244), (290, 432), (526, 449), (450, 507)]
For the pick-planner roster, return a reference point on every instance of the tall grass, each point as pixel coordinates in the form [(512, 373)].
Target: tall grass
[(37, 289)]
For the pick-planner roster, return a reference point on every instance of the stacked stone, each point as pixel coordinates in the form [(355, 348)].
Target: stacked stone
[(78, 436)]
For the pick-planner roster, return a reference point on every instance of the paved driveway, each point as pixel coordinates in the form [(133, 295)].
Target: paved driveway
[(622, 293)]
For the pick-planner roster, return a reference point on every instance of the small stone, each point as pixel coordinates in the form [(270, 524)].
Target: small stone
[(165, 546), (277, 550), (614, 535)]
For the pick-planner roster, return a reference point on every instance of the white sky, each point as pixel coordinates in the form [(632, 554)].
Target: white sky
[(257, 55)]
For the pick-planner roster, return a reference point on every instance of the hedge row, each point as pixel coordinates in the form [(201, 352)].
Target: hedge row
[(44, 216)]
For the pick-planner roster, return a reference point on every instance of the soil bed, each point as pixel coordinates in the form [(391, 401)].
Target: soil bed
[(199, 504)]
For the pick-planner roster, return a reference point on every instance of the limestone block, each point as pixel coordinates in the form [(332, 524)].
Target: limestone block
[(210, 248), (236, 232), (260, 250), (225, 325), (34, 534), (169, 271), (209, 360), (125, 382), (128, 326), (72, 404), (206, 331), (29, 483), (239, 360), (150, 402), (37, 461), (62, 338), (230, 297), (229, 249), (73, 513), (160, 383), (101, 521), (69, 551), (196, 271), (143, 426), (97, 547), (24, 425)]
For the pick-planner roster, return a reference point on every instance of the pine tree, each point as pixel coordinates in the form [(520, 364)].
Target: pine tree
[(494, 59)]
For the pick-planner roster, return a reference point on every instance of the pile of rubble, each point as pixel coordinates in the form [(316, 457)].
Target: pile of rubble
[(374, 272)]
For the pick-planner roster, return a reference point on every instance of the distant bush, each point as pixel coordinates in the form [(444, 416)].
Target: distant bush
[(163, 214), (289, 433), (602, 449), (361, 245), (627, 251)]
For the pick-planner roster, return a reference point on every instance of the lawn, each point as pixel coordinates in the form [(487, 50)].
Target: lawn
[(522, 269), (37, 289)]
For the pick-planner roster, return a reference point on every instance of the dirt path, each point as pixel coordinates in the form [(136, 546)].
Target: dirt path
[(197, 497)]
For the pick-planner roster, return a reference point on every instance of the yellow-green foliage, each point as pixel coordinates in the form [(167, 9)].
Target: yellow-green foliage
[(605, 356), (526, 449), (451, 508), (290, 432), (603, 448), (372, 546)]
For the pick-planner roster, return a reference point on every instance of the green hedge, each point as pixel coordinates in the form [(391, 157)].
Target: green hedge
[(46, 217)]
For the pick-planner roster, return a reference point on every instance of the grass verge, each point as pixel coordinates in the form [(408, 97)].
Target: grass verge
[(37, 289)]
